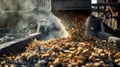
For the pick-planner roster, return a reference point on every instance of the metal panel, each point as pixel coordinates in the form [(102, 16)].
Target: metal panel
[(18, 45), (71, 4)]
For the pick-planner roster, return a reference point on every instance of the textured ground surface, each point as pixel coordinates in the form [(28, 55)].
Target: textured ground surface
[(75, 50)]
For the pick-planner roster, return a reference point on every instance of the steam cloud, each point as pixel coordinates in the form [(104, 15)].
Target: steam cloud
[(22, 16)]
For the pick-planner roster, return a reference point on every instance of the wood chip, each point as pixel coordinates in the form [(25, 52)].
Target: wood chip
[(84, 51), (72, 48), (69, 55), (117, 60), (12, 65), (102, 54), (89, 64), (117, 55), (45, 54), (56, 61), (67, 51), (6, 65), (96, 64)]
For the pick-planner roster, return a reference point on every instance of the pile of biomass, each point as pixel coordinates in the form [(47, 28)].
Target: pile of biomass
[(75, 50), (64, 52)]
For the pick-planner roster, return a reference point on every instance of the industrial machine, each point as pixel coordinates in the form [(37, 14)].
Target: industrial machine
[(104, 21)]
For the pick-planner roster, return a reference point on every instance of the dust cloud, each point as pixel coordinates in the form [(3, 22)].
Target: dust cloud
[(24, 17)]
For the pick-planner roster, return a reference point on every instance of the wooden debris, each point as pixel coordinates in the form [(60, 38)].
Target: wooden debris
[(96, 64), (117, 55), (56, 61), (77, 49)]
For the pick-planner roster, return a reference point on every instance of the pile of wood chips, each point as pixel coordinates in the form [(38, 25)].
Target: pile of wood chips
[(76, 50)]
